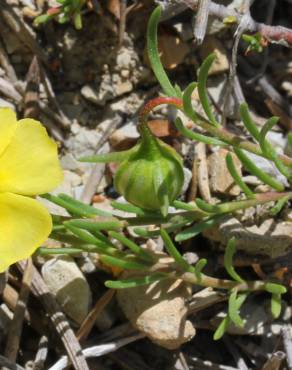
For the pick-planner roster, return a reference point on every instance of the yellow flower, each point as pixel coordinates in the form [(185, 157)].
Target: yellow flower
[(28, 166)]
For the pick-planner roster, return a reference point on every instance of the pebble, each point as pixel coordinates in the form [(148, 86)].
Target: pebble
[(65, 280), (89, 93), (159, 311)]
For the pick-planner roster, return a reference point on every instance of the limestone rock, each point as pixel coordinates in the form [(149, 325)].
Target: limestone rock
[(220, 179), (65, 280), (271, 238), (159, 311)]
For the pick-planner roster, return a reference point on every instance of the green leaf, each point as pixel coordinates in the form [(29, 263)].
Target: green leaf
[(276, 305), (248, 122), (178, 90), (195, 136), (178, 204), (42, 251), (269, 150), (100, 246), (135, 282), (172, 250), (84, 209), (74, 207), (110, 224), (196, 229), (187, 102), (123, 263), (144, 233), (82, 234), (199, 267), (279, 205), (206, 207), (236, 177), (233, 309), (228, 260), (222, 328), (77, 20), (275, 288), (263, 133), (136, 249), (254, 170), (202, 88), (153, 54), (44, 18), (130, 208)]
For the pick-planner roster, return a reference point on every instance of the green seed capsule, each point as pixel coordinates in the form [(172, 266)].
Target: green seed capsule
[(152, 177)]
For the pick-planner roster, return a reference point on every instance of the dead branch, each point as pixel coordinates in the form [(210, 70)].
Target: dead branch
[(39, 289), (274, 34)]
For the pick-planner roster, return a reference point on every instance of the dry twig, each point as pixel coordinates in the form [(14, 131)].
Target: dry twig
[(275, 361), (14, 334), (39, 289), (99, 350), (20, 28), (41, 354), (274, 34), (201, 21), (90, 320)]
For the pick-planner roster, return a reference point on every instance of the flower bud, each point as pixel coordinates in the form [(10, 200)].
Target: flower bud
[(152, 176)]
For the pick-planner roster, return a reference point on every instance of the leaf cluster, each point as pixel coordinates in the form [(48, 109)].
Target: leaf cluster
[(92, 230), (67, 10)]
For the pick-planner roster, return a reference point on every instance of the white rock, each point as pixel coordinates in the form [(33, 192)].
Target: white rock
[(267, 166), (187, 179), (124, 58), (159, 311), (89, 93), (65, 280)]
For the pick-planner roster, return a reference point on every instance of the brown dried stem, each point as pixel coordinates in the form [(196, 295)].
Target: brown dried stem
[(274, 34)]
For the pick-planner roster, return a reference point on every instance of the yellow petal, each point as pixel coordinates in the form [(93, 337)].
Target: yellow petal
[(30, 164), (24, 225), (7, 127)]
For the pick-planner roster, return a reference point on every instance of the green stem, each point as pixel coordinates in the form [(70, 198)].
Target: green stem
[(218, 132), (208, 281)]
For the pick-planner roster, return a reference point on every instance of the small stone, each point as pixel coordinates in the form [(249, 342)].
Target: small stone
[(267, 166), (124, 137), (253, 323), (125, 73), (213, 45), (69, 162), (220, 179), (124, 58), (159, 311), (89, 93), (123, 87), (187, 179), (65, 280), (270, 238)]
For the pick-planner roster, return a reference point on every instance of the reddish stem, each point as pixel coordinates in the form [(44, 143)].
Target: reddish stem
[(218, 132), (54, 11), (153, 103)]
